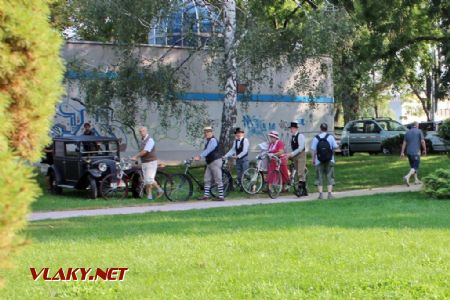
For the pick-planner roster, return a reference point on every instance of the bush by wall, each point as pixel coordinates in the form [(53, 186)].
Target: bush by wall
[(437, 184), (30, 85)]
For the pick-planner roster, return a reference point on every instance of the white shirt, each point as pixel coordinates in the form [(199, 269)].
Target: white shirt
[(330, 140), (149, 145), (244, 150)]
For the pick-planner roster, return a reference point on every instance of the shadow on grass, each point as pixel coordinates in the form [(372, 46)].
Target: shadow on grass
[(405, 210)]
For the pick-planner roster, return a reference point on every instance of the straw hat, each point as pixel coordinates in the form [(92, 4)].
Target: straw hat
[(274, 134)]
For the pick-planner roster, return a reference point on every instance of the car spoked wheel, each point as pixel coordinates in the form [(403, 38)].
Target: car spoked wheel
[(114, 188)]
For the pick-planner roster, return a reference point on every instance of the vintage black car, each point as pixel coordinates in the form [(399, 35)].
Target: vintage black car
[(91, 163)]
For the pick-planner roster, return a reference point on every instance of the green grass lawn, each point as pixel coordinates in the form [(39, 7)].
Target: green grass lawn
[(357, 172), (394, 246)]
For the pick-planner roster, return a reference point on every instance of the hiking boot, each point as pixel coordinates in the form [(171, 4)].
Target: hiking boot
[(406, 180), (320, 196), (203, 198)]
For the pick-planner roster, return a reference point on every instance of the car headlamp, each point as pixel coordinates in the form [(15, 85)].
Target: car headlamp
[(102, 167)]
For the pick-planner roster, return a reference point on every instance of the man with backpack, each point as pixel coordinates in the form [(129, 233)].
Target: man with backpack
[(323, 146)]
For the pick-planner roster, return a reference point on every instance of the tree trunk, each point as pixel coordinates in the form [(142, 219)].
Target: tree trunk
[(229, 112)]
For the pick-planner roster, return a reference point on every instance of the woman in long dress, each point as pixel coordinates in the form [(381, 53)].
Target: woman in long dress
[(276, 148)]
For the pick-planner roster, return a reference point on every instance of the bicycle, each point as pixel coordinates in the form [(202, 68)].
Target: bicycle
[(253, 179), (293, 180), (136, 180), (180, 186)]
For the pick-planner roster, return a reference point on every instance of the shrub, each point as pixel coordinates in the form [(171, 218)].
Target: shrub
[(444, 130), (30, 85), (393, 144), (437, 184)]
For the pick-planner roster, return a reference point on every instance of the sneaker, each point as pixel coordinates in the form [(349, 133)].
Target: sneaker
[(204, 198), (418, 182), (405, 179), (320, 196), (150, 198), (219, 199), (330, 196)]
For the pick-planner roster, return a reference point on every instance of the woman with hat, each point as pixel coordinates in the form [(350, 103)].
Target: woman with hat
[(239, 152), (276, 148)]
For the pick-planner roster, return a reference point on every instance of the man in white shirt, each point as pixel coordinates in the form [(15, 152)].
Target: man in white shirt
[(149, 161), (323, 146), (239, 152), (298, 156)]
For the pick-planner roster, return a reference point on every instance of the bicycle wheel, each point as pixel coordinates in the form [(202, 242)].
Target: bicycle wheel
[(276, 185), (112, 187), (178, 187), (227, 181), (252, 181)]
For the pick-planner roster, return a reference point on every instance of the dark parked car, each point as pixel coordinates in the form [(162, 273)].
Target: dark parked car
[(91, 163), (430, 131)]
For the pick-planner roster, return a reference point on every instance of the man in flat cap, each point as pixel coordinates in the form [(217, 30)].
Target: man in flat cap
[(298, 156), (239, 152), (213, 172)]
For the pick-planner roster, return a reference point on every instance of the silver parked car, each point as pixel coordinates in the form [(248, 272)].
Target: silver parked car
[(366, 135)]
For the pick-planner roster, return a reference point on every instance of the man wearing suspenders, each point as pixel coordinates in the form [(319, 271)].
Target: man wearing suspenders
[(298, 156), (147, 154), (213, 172), (239, 152)]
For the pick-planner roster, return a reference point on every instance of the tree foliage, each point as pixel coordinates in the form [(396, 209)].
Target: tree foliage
[(30, 76)]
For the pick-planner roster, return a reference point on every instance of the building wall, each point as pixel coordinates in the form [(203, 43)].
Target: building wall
[(273, 105)]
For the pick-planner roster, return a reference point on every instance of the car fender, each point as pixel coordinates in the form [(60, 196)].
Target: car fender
[(95, 173), (58, 175)]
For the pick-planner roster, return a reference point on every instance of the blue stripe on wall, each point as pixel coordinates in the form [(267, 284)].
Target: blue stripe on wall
[(256, 98), (70, 74)]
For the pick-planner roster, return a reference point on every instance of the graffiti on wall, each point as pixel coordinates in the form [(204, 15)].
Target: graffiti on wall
[(71, 115), (258, 127)]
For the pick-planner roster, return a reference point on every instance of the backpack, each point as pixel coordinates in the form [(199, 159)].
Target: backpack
[(324, 151)]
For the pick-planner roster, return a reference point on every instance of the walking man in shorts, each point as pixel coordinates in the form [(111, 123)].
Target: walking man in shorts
[(412, 144), (149, 161)]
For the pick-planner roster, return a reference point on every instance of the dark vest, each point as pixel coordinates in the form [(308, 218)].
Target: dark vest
[(213, 155), (149, 156), (294, 142), (239, 149)]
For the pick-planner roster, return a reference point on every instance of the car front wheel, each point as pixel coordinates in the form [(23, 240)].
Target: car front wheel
[(93, 191)]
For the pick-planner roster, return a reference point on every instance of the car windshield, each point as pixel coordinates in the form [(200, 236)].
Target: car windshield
[(390, 125), (99, 148)]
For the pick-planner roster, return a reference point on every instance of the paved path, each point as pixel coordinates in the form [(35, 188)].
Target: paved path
[(181, 206)]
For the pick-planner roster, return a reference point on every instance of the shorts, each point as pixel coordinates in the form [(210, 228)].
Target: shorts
[(325, 170), (149, 171), (414, 161)]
